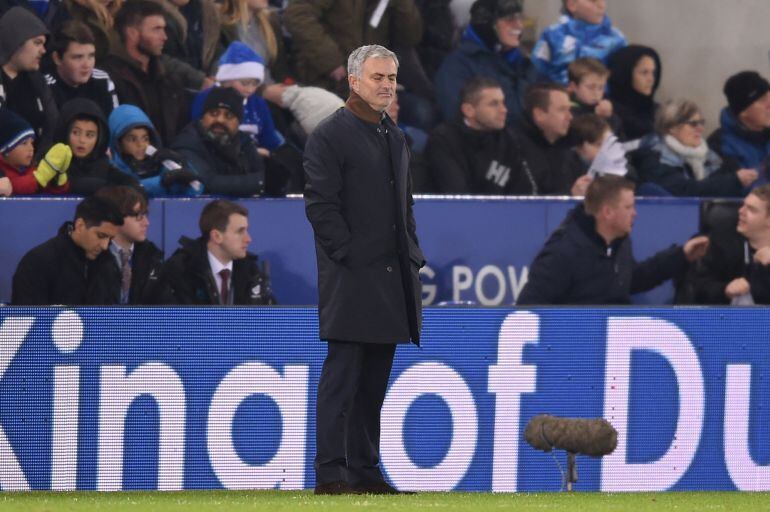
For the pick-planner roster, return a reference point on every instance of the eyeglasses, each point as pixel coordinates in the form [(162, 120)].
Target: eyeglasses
[(139, 216), (696, 123)]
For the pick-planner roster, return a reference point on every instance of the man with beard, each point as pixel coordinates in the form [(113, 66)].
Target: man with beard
[(23, 88), (141, 77), (225, 159)]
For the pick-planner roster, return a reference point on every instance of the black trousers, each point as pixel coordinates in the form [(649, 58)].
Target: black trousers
[(351, 390)]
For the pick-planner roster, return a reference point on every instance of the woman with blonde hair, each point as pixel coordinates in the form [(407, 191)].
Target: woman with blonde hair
[(677, 158), (254, 24), (99, 15)]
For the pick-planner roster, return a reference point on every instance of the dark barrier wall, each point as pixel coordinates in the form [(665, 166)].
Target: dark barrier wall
[(131, 398), (477, 250)]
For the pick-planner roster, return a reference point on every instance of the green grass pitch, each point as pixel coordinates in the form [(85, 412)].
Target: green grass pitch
[(276, 501)]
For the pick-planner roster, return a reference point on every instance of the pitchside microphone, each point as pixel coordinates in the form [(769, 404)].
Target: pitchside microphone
[(594, 438)]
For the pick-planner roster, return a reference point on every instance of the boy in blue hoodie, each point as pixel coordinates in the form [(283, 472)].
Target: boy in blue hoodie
[(585, 30), (134, 147), (243, 69)]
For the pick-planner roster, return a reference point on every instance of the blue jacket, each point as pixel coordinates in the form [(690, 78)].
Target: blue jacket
[(571, 39), (472, 58), (126, 118), (257, 121), (748, 148)]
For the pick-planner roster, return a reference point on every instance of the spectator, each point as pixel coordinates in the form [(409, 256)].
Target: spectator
[(489, 47), (142, 78), (75, 75), (324, 33), (136, 150), (216, 268), (243, 70), (416, 140), (736, 268), (678, 159), (17, 175), (634, 79), (745, 131), (589, 259), (225, 159), (254, 24), (478, 154), (194, 31), (99, 17), (585, 30), (598, 147), (23, 88), (131, 275), (587, 83), (545, 148), (83, 128), (60, 271)]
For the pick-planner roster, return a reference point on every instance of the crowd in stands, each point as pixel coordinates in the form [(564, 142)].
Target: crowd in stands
[(217, 97)]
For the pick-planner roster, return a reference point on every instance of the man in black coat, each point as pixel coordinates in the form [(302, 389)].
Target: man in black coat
[(589, 259), (131, 274), (216, 268), (358, 200), (225, 159), (62, 270), (545, 147), (477, 153), (736, 268)]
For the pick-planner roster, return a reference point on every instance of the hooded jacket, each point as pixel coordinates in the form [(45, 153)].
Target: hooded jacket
[(636, 111), (571, 39), (734, 141), (39, 108), (124, 119), (577, 267), (87, 175), (473, 57)]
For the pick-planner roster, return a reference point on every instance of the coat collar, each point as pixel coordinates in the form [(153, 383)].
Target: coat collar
[(362, 110)]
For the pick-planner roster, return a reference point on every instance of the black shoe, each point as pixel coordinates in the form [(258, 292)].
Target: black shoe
[(336, 487), (378, 487)]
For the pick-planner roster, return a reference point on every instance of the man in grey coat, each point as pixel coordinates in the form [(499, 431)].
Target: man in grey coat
[(359, 202)]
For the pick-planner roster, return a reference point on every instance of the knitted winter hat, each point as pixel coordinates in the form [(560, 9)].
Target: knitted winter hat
[(18, 25), (240, 62), (14, 130), (744, 89), (224, 97)]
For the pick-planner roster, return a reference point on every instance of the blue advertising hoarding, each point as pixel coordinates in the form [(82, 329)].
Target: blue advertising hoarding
[(478, 250), (186, 398)]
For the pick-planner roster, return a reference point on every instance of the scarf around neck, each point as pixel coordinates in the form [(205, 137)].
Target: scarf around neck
[(694, 156)]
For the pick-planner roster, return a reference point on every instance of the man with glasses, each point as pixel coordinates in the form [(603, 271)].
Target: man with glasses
[(130, 275)]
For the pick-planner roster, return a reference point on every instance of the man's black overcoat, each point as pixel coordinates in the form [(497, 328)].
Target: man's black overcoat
[(359, 202)]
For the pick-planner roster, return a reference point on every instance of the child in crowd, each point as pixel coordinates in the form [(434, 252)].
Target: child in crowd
[(584, 31), (598, 147), (17, 148), (243, 70), (587, 83), (134, 146), (83, 128)]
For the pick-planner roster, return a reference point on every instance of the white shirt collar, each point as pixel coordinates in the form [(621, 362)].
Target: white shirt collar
[(217, 266)]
